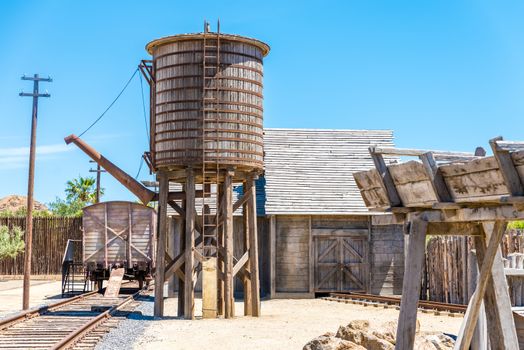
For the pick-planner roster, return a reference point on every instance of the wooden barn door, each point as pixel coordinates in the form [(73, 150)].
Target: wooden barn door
[(340, 263)]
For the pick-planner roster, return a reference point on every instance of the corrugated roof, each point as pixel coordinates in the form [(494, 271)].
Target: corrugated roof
[(309, 171)]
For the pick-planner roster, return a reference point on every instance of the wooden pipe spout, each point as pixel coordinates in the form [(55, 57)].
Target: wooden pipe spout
[(144, 194)]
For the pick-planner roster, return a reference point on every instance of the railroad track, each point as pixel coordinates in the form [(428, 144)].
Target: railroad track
[(394, 302), (75, 323)]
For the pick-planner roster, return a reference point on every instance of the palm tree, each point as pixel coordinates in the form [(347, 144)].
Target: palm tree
[(81, 189)]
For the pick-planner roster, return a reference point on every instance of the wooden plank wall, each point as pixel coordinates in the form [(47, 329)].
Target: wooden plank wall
[(445, 280), (49, 241), (292, 254), (387, 259)]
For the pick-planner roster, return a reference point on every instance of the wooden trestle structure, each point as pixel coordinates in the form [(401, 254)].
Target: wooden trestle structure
[(201, 253), (449, 193)]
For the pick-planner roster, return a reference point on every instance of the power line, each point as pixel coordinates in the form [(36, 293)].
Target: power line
[(110, 105), (144, 108), (140, 167)]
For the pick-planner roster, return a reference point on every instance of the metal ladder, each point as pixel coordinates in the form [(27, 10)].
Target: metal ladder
[(210, 137)]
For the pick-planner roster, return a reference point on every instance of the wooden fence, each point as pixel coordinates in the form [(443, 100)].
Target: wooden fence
[(50, 236), (448, 259)]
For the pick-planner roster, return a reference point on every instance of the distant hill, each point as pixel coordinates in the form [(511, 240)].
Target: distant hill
[(14, 202)]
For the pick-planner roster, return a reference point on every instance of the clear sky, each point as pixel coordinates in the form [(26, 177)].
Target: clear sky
[(445, 74)]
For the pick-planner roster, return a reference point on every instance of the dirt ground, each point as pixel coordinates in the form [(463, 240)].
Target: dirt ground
[(42, 292), (285, 324)]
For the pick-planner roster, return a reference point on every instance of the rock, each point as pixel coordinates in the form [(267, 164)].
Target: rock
[(386, 335), (440, 341), (362, 325), (360, 337), (329, 342), (391, 327)]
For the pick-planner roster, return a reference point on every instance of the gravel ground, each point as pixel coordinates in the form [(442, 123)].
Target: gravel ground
[(131, 329)]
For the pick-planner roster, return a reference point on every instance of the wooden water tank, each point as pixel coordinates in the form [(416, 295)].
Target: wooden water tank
[(234, 125)]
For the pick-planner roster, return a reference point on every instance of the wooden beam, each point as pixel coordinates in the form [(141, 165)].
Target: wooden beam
[(161, 245), (220, 255), (248, 309), (389, 185), (407, 320), (455, 228), (253, 247), (470, 320), (507, 168), (439, 155), (497, 303), (228, 244), (189, 292), (437, 180), (177, 208), (492, 213), (181, 276), (240, 263), (245, 197)]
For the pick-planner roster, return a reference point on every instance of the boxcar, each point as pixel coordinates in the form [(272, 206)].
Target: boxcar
[(118, 235)]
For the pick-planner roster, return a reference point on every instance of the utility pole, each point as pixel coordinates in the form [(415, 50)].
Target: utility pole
[(98, 170), (30, 184)]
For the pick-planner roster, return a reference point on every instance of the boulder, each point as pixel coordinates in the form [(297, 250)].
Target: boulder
[(330, 342), (360, 337)]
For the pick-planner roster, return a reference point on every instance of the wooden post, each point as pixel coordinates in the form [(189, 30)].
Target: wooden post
[(472, 314), (172, 235), (189, 287), (253, 247), (480, 336), (229, 299), (248, 306), (382, 168), (161, 243), (407, 320), (220, 255), (497, 303), (182, 244)]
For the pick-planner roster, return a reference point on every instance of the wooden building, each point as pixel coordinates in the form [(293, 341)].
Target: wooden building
[(315, 233)]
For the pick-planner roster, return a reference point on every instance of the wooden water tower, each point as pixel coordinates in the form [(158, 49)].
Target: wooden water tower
[(206, 134)]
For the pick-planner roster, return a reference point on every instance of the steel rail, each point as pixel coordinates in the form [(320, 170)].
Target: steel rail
[(79, 333), (25, 315), (425, 304)]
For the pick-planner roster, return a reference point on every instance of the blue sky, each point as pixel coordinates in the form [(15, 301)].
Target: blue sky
[(445, 74)]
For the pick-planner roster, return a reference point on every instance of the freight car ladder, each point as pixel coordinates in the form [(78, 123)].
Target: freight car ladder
[(74, 279), (210, 137)]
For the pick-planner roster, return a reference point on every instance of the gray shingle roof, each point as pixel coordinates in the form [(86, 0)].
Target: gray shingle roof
[(309, 171)]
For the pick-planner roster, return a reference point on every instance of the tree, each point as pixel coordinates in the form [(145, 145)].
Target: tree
[(81, 189), (79, 193), (11, 242)]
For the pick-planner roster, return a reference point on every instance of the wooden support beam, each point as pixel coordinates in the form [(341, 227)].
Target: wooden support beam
[(507, 168), (389, 185), (240, 263), (455, 229), (497, 303), (251, 208), (161, 245), (248, 309), (177, 208), (407, 320), (437, 180), (189, 292), (172, 236), (220, 256), (470, 320), (245, 197), (229, 299), (181, 276)]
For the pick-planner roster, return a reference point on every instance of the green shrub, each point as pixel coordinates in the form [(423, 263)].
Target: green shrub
[(11, 242), (517, 225)]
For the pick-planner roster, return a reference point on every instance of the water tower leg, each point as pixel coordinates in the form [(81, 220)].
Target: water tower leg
[(248, 309), (253, 247), (189, 291), (228, 244), (182, 244), (220, 263), (161, 244)]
